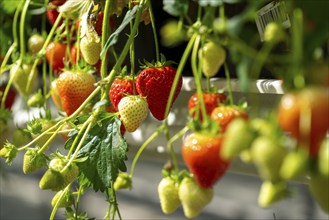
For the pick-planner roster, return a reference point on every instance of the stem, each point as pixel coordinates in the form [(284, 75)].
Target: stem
[(53, 212), (156, 43), (179, 72), (197, 76), (143, 147), (22, 29), (45, 146), (105, 30), (171, 147), (11, 49), (229, 86), (15, 22)]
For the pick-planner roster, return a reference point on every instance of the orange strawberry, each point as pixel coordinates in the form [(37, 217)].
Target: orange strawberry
[(73, 88), (224, 114)]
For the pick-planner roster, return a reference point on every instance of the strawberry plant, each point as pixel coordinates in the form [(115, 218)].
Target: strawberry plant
[(78, 69)]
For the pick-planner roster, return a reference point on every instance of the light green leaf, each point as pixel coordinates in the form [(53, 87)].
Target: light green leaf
[(176, 7)]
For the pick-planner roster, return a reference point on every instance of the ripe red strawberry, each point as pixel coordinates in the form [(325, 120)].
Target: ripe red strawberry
[(224, 114), (73, 88), (10, 96), (201, 154), (99, 23), (211, 101), (52, 12), (121, 87), (133, 110), (155, 84)]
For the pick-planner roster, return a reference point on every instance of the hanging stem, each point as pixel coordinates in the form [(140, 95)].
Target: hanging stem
[(156, 43), (229, 86), (143, 147), (22, 29)]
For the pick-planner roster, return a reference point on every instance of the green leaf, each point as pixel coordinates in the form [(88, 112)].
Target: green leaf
[(176, 7), (8, 7), (113, 39), (105, 150)]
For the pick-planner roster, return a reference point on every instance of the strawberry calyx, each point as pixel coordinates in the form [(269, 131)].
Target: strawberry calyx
[(158, 64), (207, 126)]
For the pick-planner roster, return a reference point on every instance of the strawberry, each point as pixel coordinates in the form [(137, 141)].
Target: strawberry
[(36, 100), (233, 146), (211, 101), (224, 114), (55, 96), (56, 177), (155, 84), (9, 152), (35, 43), (33, 161), (318, 186), (64, 198), (271, 192), (168, 195), (201, 154), (10, 99), (213, 56), (20, 74), (90, 43), (52, 12), (99, 23), (193, 197), (73, 88), (120, 88), (123, 181), (37, 126), (268, 154), (133, 110), (55, 55)]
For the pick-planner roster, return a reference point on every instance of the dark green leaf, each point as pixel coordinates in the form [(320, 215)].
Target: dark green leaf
[(113, 39), (105, 149), (176, 7)]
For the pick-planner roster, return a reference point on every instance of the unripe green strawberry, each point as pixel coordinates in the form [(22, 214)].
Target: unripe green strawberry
[(319, 188), (232, 146), (33, 160), (294, 164), (64, 198), (37, 126), (168, 195), (261, 126), (268, 154), (36, 100), (193, 197), (90, 46), (8, 152), (213, 56), (273, 33), (133, 110), (20, 74), (123, 181), (272, 192), (21, 137), (71, 173), (323, 158), (52, 180)]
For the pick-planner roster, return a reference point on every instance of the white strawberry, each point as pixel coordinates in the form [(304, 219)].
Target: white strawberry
[(168, 195), (90, 43), (193, 197), (133, 110)]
